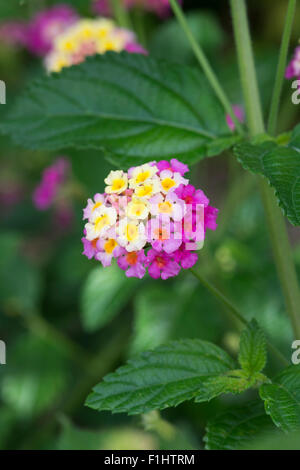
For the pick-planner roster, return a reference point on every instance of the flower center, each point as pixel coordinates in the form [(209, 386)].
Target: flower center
[(167, 184), (132, 258), (96, 205), (131, 232), (110, 245), (165, 207), (160, 262), (94, 243), (101, 222), (118, 184), (141, 178)]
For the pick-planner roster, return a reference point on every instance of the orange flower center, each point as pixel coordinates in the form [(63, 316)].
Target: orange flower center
[(132, 258)]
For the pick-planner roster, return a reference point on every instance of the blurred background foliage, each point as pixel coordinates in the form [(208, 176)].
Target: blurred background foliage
[(67, 322)]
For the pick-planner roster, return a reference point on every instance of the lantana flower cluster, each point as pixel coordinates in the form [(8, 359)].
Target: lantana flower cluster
[(86, 38), (150, 217)]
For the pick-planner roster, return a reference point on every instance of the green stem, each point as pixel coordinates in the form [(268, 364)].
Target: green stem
[(120, 14), (210, 74), (234, 311), (281, 67), (276, 223), (140, 25)]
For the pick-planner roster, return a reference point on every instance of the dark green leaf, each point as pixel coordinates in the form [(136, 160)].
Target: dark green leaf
[(161, 378), (281, 166), (237, 428), (282, 399), (253, 353), (131, 107)]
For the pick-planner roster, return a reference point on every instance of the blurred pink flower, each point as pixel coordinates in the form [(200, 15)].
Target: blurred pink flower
[(37, 36), (52, 178), (239, 113), (293, 69)]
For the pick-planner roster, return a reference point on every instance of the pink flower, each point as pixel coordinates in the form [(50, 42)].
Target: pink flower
[(173, 165), (293, 69), (133, 263), (135, 48), (186, 258), (52, 179), (161, 265), (210, 217), (162, 237), (46, 25), (90, 248), (92, 205), (38, 35), (191, 196), (239, 113)]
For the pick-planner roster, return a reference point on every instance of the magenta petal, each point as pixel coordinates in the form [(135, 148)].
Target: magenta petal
[(154, 271), (189, 259), (170, 246)]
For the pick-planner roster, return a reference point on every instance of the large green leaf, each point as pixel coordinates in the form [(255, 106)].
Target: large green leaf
[(282, 399), (105, 293), (253, 354), (281, 166), (132, 107), (160, 378), (237, 427)]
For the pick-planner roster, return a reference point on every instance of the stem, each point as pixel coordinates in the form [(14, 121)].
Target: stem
[(276, 223), (210, 74), (120, 14), (140, 25), (281, 67), (233, 310)]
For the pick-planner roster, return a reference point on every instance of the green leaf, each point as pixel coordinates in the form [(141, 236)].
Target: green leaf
[(161, 378), (237, 427), (282, 399), (104, 294), (253, 353), (234, 382), (281, 166), (131, 107)]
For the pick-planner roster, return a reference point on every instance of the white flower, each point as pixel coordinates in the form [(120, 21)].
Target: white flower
[(138, 209), (116, 181), (148, 189), (131, 234), (142, 174), (101, 220)]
